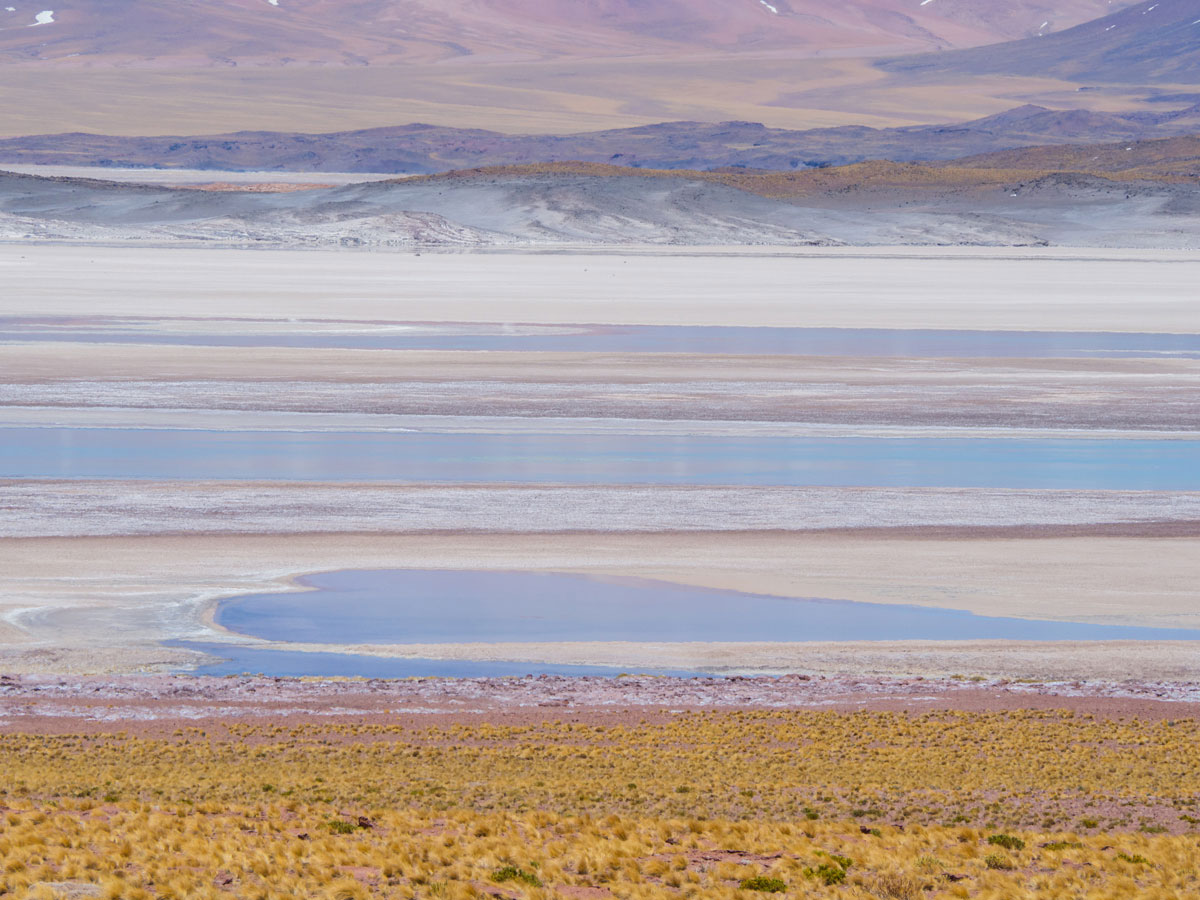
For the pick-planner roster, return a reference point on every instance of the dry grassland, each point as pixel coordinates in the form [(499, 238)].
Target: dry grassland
[(991, 171), (809, 804)]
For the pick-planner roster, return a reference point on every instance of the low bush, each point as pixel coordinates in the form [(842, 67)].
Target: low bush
[(515, 873), (828, 873), (1007, 841), (764, 883), (895, 886)]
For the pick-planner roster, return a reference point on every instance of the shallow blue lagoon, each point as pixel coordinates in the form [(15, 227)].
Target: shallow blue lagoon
[(441, 606), (235, 660), (599, 459)]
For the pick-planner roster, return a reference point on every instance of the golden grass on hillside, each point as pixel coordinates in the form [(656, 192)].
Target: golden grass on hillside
[(1170, 160), (1176, 159), (776, 185), (1005, 805)]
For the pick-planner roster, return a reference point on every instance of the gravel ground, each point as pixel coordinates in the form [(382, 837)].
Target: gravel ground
[(157, 704)]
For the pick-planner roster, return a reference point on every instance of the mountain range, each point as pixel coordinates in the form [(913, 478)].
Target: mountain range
[(313, 85), (387, 32), (291, 68), (673, 145)]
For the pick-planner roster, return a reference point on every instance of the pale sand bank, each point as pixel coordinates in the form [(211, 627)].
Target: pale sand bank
[(881, 288), (56, 361), (1112, 661), (1051, 661)]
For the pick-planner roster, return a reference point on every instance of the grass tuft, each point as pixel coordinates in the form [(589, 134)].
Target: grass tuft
[(514, 873), (764, 883)]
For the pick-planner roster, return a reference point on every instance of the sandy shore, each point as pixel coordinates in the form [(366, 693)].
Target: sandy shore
[(1049, 661), (50, 362)]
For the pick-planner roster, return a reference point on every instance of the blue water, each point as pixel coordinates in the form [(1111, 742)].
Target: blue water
[(440, 606), (599, 459), (875, 342), (236, 660)]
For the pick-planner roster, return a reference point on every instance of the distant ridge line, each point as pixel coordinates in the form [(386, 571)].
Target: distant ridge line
[(427, 149)]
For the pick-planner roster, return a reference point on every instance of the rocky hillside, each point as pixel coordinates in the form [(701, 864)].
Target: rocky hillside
[(1155, 41)]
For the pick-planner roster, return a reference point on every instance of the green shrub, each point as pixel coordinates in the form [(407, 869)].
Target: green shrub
[(998, 861), (1135, 858), (514, 873), (341, 826), (829, 873), (1007, 841), (764, 883)]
